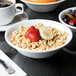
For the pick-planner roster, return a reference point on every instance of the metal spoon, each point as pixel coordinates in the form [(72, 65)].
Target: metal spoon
[(9, 69)]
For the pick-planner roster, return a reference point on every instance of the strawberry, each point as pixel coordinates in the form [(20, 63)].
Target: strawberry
[(75, 14), (34, 35), (72, 21), (29, 30)]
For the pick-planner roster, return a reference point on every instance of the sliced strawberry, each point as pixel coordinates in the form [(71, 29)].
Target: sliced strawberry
[(29, 30)]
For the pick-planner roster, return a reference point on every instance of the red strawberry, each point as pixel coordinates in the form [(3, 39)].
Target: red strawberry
[(75, 10), (34, 35), (72, 21), (29, 30), (75, 14)]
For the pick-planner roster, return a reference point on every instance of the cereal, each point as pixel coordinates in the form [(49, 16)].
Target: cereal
[(18, 39)]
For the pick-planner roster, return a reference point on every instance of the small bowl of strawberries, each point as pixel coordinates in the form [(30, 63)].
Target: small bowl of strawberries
[(68, 18)]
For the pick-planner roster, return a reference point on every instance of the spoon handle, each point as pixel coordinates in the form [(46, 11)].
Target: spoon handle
[(9, 69)]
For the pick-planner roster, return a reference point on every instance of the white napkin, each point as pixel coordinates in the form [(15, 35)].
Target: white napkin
[(3, 72)]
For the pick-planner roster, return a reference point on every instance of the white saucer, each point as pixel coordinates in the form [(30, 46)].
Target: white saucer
[(17, 19)]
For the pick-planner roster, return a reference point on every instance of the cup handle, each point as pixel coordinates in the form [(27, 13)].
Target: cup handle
[(22, 8)]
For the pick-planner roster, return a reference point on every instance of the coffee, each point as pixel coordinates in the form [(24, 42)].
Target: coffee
[(5, 3)]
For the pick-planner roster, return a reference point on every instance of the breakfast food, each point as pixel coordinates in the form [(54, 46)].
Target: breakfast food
[(47, 37), (33, 34), (46, 33), (70, 17), (42, 1)]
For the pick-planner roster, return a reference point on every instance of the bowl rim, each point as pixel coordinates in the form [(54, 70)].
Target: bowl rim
[(57, 2), (34, 51), (62, 13)]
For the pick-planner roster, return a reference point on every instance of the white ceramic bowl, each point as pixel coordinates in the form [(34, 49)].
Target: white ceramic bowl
[(43, 7), (61, 20), (34, 53)]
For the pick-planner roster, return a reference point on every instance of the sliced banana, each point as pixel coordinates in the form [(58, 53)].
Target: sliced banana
[(69, 15), (46, 33)]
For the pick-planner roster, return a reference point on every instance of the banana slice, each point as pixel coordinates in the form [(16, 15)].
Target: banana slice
[(69, 15), (46, 33)]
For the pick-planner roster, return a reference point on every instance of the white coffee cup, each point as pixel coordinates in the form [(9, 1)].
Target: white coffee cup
[(8, 13)]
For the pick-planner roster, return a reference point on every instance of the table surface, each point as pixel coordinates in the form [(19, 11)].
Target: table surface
[(61, 64)]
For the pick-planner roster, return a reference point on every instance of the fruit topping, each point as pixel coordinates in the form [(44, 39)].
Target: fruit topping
[(64, 16), (46, 33), (69, 15), (33, 34), (66, 20), (72, 22), (29, 30), (71, 12), (75, 14)]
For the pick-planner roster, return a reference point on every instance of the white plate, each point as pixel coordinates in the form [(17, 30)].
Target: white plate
[(17, 19)]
